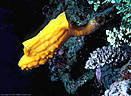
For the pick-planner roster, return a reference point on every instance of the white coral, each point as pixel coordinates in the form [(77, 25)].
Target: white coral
[(118, 89)]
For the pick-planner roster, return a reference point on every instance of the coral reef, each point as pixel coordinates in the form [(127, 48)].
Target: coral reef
[(110, 62), (107, 62)]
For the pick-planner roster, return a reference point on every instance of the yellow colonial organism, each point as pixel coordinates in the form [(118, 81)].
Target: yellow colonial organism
[(45, 44)]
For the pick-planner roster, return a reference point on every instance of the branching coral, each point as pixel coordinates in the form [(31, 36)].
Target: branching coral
[(118, 38), (109, 60), (108, 55)]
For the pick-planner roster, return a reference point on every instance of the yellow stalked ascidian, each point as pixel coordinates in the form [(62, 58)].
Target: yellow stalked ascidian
[(40, 48)]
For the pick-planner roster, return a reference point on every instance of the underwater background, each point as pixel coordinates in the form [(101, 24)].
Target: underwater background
[(74, 71), (18, 19)]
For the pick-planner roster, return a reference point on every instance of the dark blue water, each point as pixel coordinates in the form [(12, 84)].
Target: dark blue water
[(18, 21)]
